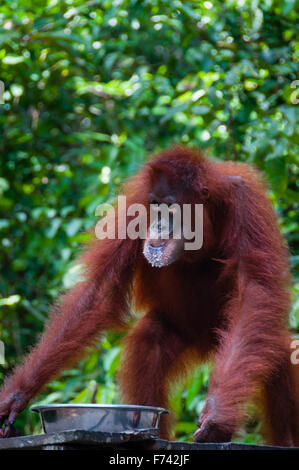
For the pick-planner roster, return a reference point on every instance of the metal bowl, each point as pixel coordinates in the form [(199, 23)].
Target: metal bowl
[(94, 417)]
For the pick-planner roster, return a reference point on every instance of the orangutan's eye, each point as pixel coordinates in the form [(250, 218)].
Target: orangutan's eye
[(154, 203), (205, 193)]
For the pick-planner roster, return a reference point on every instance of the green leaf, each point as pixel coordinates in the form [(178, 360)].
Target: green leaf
[(277, 174)]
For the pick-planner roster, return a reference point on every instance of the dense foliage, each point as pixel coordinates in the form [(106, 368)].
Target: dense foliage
[(91, 89)]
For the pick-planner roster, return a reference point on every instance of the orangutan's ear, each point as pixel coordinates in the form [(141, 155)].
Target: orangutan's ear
[(235, 179), (238, 189), (238, 195)]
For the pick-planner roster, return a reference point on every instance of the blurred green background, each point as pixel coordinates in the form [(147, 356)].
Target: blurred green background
[(92, 88)]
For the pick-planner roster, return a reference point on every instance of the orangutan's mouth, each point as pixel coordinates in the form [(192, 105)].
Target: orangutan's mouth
[(162, 252), (156, 255), (157, 244)]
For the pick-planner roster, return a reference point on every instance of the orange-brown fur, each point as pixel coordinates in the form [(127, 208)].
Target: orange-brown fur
[(228, 302)]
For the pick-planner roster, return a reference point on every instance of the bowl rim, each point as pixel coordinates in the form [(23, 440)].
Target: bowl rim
[(116, 407)]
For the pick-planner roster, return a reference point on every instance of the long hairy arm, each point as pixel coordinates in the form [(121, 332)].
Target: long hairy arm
[(98, 303), (253, 340)]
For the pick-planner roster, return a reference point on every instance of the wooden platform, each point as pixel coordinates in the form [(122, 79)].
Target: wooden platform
[(102, 441)]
